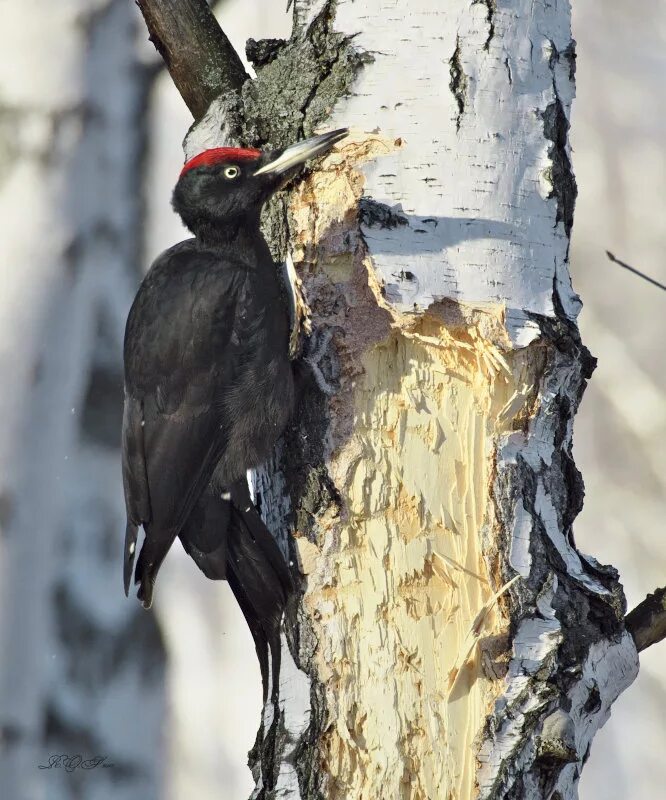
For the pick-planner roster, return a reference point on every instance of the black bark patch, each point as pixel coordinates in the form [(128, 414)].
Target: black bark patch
[(563, 333), (560, 173), (573, 480), (262, 52), (458, 82), (509, 73), (491, 7), (593, 702), (378, 215), (569, 53)]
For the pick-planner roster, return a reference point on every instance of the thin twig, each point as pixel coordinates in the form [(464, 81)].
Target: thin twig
[(201, 60), (647, 622), (635, 271)]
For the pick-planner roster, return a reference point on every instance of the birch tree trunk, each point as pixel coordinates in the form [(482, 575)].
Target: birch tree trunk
[(450, 641), (78, 661)]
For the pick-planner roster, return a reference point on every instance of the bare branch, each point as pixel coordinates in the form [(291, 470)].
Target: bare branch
[(647, 622), (201, 60), (635, 271)]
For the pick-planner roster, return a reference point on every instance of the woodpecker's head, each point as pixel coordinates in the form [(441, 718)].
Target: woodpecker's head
[(231, 184)]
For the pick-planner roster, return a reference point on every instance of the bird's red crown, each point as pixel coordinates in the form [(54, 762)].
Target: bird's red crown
[(218, 155)]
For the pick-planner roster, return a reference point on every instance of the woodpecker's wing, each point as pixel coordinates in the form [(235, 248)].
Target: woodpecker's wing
[(180, 364)]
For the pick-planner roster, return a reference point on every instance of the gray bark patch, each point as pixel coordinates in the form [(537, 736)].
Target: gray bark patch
[(458, 83), (561, 176), (298, 82)]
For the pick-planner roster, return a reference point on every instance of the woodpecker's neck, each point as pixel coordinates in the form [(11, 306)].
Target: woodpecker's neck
[(236, 232)]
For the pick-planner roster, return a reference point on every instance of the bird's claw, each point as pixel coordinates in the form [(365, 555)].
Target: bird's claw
[(314, 353)]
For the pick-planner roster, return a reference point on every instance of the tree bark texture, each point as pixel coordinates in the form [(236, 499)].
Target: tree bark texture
[(200, 58), (78, 660), (647, 622), (450, 641)]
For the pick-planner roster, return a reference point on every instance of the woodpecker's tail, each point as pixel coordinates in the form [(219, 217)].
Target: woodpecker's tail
[(227, 538), (261, 582), (155, 547), (204, 535)]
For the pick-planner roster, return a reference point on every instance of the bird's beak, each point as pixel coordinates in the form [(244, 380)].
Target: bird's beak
[(299, 153)]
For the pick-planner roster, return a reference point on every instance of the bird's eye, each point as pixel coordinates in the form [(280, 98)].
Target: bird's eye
[(231, 172)]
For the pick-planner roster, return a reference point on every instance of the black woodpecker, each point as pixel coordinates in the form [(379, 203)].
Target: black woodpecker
[(209, 385)]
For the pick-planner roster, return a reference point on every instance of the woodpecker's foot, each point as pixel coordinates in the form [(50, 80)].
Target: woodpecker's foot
[(299, 310), (321, 360)]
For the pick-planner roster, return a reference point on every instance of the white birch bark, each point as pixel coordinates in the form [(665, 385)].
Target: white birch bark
[(451, 641), (79, 661)]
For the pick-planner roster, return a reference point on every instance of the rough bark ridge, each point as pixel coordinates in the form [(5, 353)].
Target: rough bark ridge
[(450, 639)]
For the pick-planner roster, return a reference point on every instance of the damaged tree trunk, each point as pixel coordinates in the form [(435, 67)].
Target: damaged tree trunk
[(449, 640)]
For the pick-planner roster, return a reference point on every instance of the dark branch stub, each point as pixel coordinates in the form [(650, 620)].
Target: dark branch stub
[(201, 60), (647, 622), (635, 271)]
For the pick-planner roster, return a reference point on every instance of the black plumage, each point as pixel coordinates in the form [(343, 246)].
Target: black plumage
[(209, 385)]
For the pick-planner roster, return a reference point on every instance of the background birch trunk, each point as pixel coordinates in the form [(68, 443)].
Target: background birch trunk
[(78, 661), (450, 641)]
